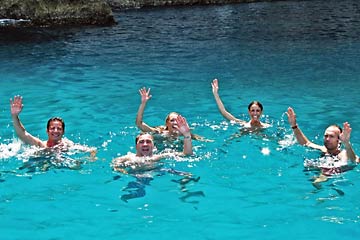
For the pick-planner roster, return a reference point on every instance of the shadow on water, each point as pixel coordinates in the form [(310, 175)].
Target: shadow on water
[(14, 35), (137, 187)]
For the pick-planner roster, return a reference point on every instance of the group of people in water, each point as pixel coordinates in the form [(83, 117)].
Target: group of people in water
[(335, 158)]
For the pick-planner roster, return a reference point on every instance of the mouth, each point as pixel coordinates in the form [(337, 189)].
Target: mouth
[(145, 149)]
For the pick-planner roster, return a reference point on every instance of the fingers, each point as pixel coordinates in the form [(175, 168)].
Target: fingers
[(215, 83), (180, 120), (16, 102), (145, 94), (17, 99), (347, 127), (142, 91), (182, 123), (290, 111)]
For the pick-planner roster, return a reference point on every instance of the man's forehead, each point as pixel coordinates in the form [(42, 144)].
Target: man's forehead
[(332, 130), (55, 122), (145, 136)]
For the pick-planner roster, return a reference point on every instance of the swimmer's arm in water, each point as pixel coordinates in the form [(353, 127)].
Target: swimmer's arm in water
[(118, 163), (200, 138), (84, 148), (16, 106), (145, 96), (220, 105), (345, 139)]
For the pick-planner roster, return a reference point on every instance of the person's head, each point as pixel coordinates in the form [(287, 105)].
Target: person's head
[(332, 137), (144, 145), (170, 121), (255, 109), (55, 129)]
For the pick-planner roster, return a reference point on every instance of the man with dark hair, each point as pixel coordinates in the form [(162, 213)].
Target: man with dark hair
[(55, 130), (144, 157)]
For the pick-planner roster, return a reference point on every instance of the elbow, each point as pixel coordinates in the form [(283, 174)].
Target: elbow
[(138, 123)]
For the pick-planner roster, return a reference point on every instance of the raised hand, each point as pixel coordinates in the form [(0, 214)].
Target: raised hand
[(345, 135), (215, 86), (182, 125), (291, 117), (16, 105), (145, 94)]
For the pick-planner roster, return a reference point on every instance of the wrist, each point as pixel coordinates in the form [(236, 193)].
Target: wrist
[(294, 126), (187, 137)]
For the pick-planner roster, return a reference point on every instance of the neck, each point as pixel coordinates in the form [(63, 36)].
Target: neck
[(142, 155), (51, 143), (334, 151), (255, 123)]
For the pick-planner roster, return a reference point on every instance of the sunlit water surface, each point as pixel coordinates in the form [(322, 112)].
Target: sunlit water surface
[(301, 54)]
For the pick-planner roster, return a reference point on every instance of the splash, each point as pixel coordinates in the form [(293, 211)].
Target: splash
[(10, 150)]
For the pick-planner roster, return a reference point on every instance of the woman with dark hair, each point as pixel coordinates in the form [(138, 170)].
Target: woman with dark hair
[(255, 110)]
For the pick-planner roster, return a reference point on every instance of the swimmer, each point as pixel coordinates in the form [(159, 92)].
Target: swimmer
[(334, 159), (55, 130), (144, 158), (170, 130), (255, 110)]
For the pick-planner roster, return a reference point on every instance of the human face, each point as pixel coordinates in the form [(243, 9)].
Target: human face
[(55, 131), (255, 112), (171, 122), (145, 145), (331, 138)]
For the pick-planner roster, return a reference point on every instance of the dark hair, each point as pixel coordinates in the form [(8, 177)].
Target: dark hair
[(56, 119), (140, 134), (256, 103)]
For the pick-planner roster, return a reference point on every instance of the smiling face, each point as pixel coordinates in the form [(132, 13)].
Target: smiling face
[(144, 145), (255, 112), (331, 138), (55, 132)]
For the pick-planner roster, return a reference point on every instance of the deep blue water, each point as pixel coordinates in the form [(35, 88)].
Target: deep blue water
[(302, 54)]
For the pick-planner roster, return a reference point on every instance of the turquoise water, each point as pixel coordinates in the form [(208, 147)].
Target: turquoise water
[(299, 54)]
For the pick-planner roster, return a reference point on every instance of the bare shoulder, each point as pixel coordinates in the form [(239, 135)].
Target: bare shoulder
[(128, 157), (265, 125), (160, 129), (67, 142)]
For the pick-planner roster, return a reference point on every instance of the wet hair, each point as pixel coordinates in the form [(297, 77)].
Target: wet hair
[(337, 126), (256, 103), (168, 118), (56, 119), (140, 134)]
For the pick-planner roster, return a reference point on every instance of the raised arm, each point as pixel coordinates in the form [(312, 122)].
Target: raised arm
[(184, 129), (300, 137), (145, 96), (221, 107), (345, 139), (16, 106)]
